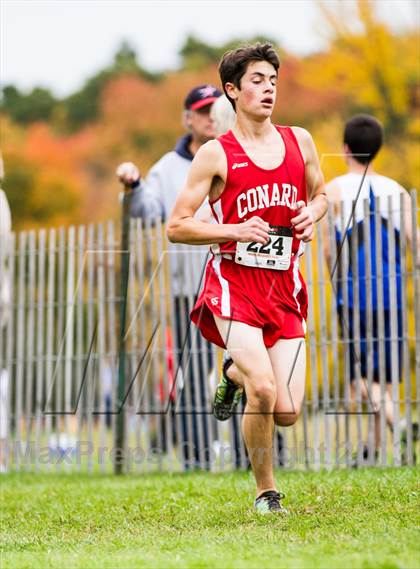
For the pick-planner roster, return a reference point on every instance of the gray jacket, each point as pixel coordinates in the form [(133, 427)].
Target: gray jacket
[(155, 196), (5, 258)]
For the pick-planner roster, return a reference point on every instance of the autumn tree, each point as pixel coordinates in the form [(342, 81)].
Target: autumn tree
[(374, 69), (83, 106), (374, 66)]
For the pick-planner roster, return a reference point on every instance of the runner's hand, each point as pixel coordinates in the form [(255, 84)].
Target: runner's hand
[(128, 173), (304, 222), (255, 229)]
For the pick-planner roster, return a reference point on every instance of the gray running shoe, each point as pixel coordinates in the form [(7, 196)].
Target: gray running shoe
[(269, 503)]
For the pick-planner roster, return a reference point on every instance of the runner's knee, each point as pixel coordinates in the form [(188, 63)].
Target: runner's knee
[(285, 419), (261, 394)]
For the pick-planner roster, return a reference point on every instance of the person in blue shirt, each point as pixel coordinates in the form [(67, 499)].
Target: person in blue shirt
[(363, 137)]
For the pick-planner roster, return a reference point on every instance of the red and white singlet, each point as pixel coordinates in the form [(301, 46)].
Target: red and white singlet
[(260, 285)]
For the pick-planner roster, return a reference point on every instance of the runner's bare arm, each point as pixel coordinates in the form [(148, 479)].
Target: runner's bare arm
[(182, 227), (308, 215)]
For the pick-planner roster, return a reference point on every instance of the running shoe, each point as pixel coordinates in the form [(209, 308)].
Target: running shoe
[(269, 502), (228, 393)]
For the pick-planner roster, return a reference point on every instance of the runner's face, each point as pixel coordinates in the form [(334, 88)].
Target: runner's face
[(257, 94), (201, 124)]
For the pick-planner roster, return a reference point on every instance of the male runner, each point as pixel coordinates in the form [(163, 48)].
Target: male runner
[(257, 178)]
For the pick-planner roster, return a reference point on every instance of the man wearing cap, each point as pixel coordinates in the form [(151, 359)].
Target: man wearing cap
[(153, 197)]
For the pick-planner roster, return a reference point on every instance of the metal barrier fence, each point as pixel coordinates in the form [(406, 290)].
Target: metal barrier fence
[(59, 355)]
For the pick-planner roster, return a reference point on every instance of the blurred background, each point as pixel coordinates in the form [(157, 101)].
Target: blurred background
[(89, 84)]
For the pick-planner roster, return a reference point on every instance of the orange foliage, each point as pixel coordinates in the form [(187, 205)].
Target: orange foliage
[(72, 177)]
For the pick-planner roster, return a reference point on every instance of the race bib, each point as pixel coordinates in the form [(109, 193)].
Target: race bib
[(276, 254)]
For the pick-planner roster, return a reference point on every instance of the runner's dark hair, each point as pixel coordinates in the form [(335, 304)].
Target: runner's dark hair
[(234, 64)]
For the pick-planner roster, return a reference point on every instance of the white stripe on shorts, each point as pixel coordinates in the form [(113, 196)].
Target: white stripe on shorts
[(296, 279), (217, 210), (224, 286)]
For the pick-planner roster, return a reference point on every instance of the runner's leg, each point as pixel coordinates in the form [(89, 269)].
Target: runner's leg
[(288, 360), (246, 347)]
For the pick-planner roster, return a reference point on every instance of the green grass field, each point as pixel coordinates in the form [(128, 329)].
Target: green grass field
[(342, 519)]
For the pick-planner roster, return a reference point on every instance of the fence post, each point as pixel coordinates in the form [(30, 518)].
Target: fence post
[(119, 459), (416, 279)]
